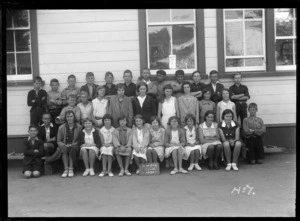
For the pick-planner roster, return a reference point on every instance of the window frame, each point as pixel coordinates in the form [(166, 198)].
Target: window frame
[(293, 37), (243, 20), (199, 44), (270, 49), (19, 81)]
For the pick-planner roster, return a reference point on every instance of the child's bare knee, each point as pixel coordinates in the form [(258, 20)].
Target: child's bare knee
[(36, 174), (27, 174)]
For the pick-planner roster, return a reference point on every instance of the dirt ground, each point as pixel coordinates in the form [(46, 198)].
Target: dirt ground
[(204, 193)]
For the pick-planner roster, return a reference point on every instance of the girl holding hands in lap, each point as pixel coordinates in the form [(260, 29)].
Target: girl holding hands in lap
[(192, 148), (174, 143), (157, 136), (230, 135), (89, 143), (210, 140), (140, 141), (106, 135)]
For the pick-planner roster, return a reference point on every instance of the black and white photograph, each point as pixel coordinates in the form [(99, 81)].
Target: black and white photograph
[(150, 112)]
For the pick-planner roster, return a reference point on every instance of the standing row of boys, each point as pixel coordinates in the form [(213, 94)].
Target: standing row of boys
[(186, 120)]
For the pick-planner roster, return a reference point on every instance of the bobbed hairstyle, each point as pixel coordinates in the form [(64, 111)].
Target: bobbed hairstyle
[(172, 118), (141, 84), (138, 116), (155, 118), (68, 112), (107, 116), (190, 116), (208, 113), (185, 83), (227, 111)]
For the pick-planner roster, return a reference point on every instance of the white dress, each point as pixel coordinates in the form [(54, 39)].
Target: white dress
[(89, 139), (208, 132), (190, 139), (223, 106), (175, 139), (168, 110), (140, 140), (107, 134)]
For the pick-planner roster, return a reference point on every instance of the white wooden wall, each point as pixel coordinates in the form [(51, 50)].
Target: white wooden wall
[(76, 41)]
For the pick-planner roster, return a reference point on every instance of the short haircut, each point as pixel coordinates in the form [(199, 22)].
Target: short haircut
[(227, 111), (172, 118), (37, 78), (190, 116), (195, 73), (33, 126), (89, 74), (127, 71), (163, 96), (86, 120), (54, 80), (99, 88), (107, 116), (179, 72), (72, 96), (167, 86), (208, 113), (226, 89), (70, 112), (46, 113), (148, 69), (252, 105), (205, 90), (161, 72), (237, 73), (84, 93), (138, 116), (141, 84), (120, 86), (71, 76), (121, 118), (213, 72), (184, 83), (108, 73), (155, 118)]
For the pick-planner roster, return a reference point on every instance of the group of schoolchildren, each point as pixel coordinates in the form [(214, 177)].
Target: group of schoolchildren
[(148, 122)]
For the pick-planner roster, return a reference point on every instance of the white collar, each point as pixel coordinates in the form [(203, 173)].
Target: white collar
[(224, 124), (205, 126), (51, 125), (187, 128), (92, 131), (97, 100), (147, 82), (103, 129), (30, 139)]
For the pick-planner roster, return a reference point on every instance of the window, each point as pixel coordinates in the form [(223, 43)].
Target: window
[(285, 36), (244, 39), (18, 45), (171, 39)]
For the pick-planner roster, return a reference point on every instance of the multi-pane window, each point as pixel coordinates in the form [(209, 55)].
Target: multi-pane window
[(18, 45), (244, 39), (171, 39), (285, 36)]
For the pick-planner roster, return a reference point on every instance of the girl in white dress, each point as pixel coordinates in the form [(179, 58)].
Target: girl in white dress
[(106, 135), (174, 143), (192, 148), (157, 137), (168, 106), (225, 104), (210, 140), (140, 141)]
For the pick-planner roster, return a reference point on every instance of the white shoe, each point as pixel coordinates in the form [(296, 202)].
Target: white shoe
[(65, 173), (234, 167), (86, 172), (92, 172), (197, 166), (228, 168), (191, 167), (110, 174)]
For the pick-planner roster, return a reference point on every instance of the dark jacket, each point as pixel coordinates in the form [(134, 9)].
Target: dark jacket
[(40, 99), (216, 96), (96, 137), (148, 110), (42, 134), (86, 89), (29, 155)]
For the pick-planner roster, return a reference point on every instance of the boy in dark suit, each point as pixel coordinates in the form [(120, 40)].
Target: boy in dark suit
[(33, 151), (90, 87), (37, 100), (215, 87)]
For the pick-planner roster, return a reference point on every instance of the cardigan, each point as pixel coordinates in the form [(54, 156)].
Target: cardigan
[(168, 135), (117, 110), (147, 111), (96, 138), (116, 141), (146, 137), (61, 135)]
